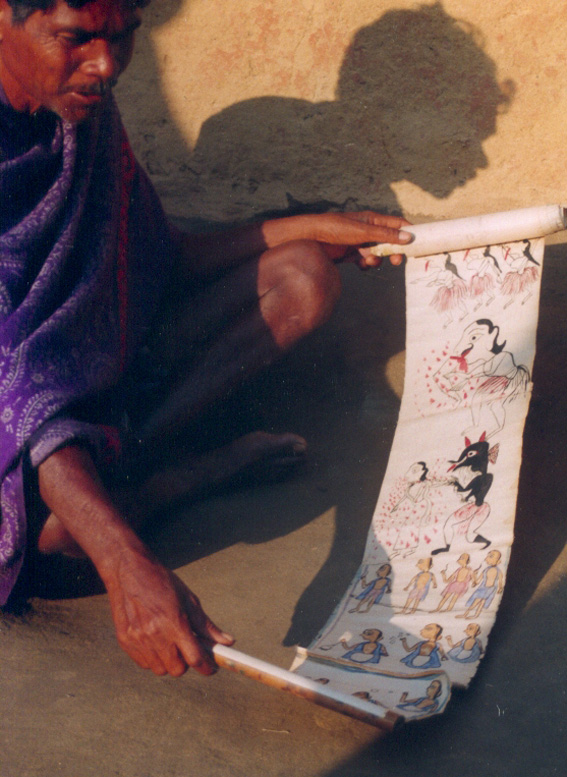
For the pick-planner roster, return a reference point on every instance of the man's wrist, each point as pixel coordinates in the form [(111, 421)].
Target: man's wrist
[(119, 551)]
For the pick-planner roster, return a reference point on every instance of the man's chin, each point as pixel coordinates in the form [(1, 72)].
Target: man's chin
[(77, 109), (77, 117)]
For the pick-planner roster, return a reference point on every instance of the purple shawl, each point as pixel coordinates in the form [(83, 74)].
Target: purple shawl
[(84, 251)]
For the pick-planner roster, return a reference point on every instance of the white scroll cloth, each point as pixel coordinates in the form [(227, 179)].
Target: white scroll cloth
[(416, 618)]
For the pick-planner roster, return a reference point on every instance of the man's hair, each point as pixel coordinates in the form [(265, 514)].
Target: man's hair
[(21, 9)]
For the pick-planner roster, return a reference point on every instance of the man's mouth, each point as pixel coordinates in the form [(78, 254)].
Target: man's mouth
[(99, 89)]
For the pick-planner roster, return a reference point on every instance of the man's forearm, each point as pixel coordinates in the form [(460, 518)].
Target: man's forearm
[(72, 490), (159, 621), (207, 254)]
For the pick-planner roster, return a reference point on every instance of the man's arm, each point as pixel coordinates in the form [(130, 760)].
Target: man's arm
[(342, 234), (159, 621)]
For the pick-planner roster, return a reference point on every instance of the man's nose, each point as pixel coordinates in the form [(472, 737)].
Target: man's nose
[(102, 60)]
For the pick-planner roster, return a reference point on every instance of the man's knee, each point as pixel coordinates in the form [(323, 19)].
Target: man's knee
[(313, 280), (299, 286)]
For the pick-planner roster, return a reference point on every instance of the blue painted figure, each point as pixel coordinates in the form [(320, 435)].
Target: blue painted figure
[(428, 653), (368, 652), (468, 650), (374, 591), (427, 704)]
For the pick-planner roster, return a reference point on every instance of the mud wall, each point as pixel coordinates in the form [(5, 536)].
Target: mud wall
[(436, 110)]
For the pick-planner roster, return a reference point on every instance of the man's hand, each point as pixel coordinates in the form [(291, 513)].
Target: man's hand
[(344, 236), (347, 237), (159, 622)]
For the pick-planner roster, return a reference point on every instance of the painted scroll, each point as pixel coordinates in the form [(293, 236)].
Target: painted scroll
[(416, 617)]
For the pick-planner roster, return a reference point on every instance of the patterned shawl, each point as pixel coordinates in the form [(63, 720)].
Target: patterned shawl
[(84, 251)]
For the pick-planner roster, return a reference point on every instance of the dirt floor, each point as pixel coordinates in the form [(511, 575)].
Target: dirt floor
[(270, 561)]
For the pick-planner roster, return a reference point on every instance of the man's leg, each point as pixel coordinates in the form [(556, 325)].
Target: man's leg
[(240, 324)]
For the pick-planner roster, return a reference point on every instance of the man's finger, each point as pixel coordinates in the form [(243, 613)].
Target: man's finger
[(193, 653), (395, 222), (197, 657), (380, 219), (207, 630), (146, 659), (205, 633), (192, 646), (367, 261), (173, 661), (202, 625), (216, 635), (389, 235)]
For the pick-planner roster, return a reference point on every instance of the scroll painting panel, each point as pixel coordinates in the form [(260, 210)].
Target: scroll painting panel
[(416, 618)]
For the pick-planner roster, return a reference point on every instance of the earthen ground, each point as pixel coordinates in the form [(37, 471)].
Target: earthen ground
[(269, 561)]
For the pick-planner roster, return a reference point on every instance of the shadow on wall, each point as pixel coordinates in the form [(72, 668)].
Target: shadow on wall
[(416, 98)]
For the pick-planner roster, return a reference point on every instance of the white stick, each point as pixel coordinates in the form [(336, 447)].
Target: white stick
[(369, 712), (458, 234)]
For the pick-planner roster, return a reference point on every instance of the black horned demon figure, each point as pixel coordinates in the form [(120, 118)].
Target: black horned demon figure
[(471, 478)]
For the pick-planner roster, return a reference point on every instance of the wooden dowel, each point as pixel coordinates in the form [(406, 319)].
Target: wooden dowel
[(440, 237), (269, 674)]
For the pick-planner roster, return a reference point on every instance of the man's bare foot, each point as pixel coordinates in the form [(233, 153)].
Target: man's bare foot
[(272, 455)]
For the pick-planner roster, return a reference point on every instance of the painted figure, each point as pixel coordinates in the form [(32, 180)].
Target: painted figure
[(523, 273), (482, 284), (420, 585), (491, 582), (451, 292), (457, 584), (427, 704), (368, 652), (472, 479), (428, 653), (416, 497), (374, 591), (468, 650), (499, 380)]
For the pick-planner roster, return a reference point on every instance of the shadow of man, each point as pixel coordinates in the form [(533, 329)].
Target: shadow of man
[(416, 98)]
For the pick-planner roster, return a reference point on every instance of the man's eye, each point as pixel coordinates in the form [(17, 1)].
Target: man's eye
[(69, 40), (73, 39)]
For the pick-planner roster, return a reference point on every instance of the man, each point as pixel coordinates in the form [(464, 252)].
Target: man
[(84, 251)]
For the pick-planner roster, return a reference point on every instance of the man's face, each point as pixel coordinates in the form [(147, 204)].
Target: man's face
[(66, 59)]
